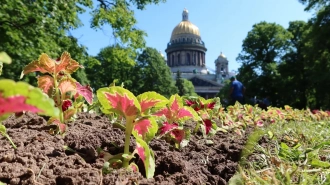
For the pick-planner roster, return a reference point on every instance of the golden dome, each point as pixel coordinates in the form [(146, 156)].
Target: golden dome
[(185, 27), (222, 55)]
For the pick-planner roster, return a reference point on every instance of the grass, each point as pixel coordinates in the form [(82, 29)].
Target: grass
[(286, 153)]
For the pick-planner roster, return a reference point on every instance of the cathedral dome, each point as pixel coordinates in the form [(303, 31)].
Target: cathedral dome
[(185, 28)]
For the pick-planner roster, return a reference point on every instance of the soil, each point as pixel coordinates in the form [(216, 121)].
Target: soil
[(41, 159)]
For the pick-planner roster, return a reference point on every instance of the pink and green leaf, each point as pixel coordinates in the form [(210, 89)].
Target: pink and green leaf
[(167, 127), (67, 85), (145, 128), (119, 100), (175, 110), (133, 167), (145, 154), (85, 91), (14, 104), (150, 100), (28, 95), (46, 84)]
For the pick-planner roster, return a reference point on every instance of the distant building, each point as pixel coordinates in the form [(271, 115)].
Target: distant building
[(186, 53)]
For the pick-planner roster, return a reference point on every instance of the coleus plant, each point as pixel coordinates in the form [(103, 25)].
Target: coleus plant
[(176, 114), (137, 112), (58, 84), (20, 96), (208, 111)]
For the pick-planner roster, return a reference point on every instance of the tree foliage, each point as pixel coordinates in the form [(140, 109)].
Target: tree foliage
[(152, 74), (189, 88), (290, 66), (31, 27), (262, 50), (293, 69), (179, 83), (314, 4), (112, 63)]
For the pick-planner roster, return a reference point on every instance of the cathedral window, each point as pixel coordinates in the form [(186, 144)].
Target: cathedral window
[(188, 59)]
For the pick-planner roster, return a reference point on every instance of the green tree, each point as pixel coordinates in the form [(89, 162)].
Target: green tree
[(152, 74), (262, 51), (180, 84), (31, 27), (110, 64), (294, 68), (317, 56), (223, 94), (314, 4), (189, 88)]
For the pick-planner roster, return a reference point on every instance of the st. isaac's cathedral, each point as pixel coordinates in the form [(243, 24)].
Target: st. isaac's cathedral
[(186, 53)]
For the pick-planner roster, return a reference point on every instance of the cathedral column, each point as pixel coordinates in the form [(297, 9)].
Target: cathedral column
[(183, 58)]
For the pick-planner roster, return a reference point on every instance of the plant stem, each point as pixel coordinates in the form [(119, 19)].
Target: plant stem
[(12, 143), (58, 99), (128, 132)]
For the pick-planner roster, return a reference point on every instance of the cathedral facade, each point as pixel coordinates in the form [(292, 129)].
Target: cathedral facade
[(186, 53)]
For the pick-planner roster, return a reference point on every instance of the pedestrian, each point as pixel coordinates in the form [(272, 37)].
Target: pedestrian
[(237, 91)]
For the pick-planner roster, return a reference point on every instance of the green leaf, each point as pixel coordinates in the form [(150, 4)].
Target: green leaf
[(318, 163), (4, 58), (3, 130)]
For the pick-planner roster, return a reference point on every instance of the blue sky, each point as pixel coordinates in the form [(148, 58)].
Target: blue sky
[(223, 24)]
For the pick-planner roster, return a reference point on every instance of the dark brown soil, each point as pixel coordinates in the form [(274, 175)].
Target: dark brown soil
[(41, 158)]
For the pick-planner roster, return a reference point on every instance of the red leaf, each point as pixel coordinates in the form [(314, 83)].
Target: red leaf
[(66, 64), (193, 104), (46, 83), (66, 104), (211, 105), (61, 126), (43, 65), (122, 103), (15, 104), (208, 125), (167, 127), (142, 126), (190, 102), (179, 135), (86, 92)]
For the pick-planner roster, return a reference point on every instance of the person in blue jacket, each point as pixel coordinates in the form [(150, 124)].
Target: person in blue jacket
[(237, 91)]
